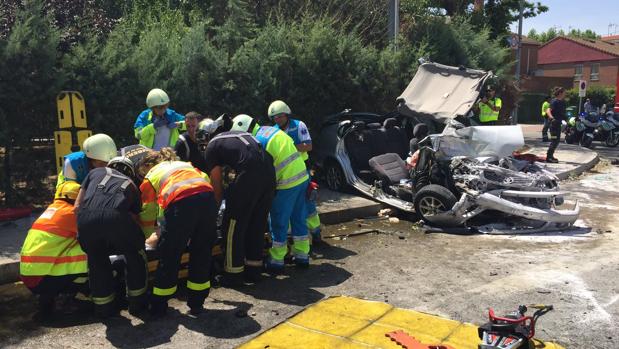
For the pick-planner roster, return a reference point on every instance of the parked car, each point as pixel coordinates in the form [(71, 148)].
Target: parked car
[(459, 174)]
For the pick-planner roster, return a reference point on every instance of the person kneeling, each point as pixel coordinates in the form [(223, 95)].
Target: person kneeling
[(52, 262), (107, 209)]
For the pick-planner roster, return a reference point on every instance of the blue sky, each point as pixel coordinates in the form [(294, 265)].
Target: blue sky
[(574, 14)]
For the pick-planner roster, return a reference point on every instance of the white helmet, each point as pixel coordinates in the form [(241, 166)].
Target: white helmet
[(99, 147), (278, 107), (157, 97), (242, 122)]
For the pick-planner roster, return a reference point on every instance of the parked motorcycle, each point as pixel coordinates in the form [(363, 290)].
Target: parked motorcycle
[(574, 129), (591, 123), (608, 130)]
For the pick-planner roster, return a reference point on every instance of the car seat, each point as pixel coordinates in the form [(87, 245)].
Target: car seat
[(419, 132), (395, 138)]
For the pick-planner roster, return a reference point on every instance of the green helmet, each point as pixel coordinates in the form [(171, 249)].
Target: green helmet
[(243, 122), (99, 147), (278, 107), (572, 121), (157, 97)]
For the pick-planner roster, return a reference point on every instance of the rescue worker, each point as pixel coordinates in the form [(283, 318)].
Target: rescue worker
[(489, 107), (556, 116), (97, 150), (280, 113), (187, 147), (288, 206), (181, 199), (52, 262), (248, 198), (545, 107), (107, 211), (158, 126)]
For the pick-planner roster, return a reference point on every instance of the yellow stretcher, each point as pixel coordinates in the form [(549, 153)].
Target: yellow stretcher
[(346, 322)]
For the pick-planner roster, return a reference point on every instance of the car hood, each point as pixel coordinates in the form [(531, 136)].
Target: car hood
[(441, 92), (477, 141)]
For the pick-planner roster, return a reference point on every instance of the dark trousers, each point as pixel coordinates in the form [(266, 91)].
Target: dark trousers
[(248, 202), (545, 128), (192, 219), (102, 233), (555, 137)]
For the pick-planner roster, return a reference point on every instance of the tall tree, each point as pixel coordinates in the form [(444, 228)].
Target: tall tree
[(29, 82)]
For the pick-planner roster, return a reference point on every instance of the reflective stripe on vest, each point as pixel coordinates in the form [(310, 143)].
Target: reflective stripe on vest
[(160, 177), (51, 247), (289, 167)]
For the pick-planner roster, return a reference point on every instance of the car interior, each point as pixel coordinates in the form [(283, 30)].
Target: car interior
[(377, 152)]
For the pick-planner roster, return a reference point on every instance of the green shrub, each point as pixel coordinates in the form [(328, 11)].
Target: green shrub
[(599, 95)]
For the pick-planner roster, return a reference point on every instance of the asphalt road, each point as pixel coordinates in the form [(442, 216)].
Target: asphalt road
[(455, 276)]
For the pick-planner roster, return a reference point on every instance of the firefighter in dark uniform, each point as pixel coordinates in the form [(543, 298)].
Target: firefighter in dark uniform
[(107, 209), (248, 198)]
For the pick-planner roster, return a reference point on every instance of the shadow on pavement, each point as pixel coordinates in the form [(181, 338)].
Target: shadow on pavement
[(216, 323)]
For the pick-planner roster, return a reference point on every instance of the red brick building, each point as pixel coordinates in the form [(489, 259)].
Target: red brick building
[(595, 61)]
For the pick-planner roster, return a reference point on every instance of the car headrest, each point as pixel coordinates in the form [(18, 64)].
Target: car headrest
[(390, 123), (420, 130), (360, 125), (374, 125)]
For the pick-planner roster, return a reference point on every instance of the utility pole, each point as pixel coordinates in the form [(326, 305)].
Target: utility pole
[(394, 22), (518, 53)]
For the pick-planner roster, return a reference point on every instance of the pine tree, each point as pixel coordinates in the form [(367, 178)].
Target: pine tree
[(29, 82)]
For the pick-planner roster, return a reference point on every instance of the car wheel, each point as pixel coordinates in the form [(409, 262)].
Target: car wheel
[(334, 176), (586, 142), (431, 201)]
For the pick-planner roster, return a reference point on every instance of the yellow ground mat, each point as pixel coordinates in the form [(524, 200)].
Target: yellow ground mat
[(346, 322)]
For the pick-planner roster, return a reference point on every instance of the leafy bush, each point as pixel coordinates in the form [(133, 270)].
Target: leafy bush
[(599, 95)]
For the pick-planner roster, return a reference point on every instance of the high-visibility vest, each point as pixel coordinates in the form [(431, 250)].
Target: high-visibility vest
[(80, 164), (290, 169), (486, 114), (293, 132), (545, 107), (165, 183), (146, 134), (51, 246)]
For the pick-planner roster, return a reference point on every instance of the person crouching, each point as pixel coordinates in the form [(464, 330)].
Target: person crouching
[(107, 209), (180, 198)]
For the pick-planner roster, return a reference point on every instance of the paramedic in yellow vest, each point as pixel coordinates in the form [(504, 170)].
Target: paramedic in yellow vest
[(97, 150), (52, 261), (288, 207), (545, 107), (280, 113), (158, 126), (489, 107)]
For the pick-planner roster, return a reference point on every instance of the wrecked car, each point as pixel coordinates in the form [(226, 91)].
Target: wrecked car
[(462, 177)]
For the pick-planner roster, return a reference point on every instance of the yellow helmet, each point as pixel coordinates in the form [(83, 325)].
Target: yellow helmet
[(278, 107), (68, 190)]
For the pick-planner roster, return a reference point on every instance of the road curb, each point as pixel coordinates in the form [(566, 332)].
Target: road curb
[(580, 168)]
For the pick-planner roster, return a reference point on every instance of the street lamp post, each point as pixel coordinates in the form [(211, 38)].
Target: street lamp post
[(518, 53), (394, 21)]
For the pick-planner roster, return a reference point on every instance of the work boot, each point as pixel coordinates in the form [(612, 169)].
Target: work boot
[(231, 280), (137, 305), (104, 311), (552, 160), (195, 302), (301, 262), (158, 308), (45, 309), (274, 267), (252, 274)]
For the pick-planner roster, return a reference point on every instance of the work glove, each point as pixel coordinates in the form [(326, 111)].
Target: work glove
[(159, 122)]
